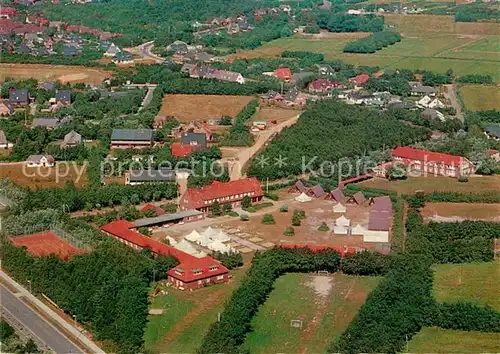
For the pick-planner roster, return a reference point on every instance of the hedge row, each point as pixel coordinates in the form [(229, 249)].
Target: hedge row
[(454, 197), (374, 42), (465, 316)]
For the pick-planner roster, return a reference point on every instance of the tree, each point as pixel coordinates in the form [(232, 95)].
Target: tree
[(268, 219), (246, 202), (284, 209), (289, 231), (216, 209), (396, 172), (324, 227), (227, 207)]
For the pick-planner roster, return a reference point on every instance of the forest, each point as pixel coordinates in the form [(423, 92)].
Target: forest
[(328, 131), (373, 43)]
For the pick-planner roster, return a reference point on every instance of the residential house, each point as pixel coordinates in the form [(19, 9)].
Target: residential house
[(493, 131), (428, 102), (203, 57), (325, 69), (178, 150), (112, 51), (7, 12), (131, 138), (6, 109), (323, 85), (4, 144), (191, 272), (359, 98), (123, 58), (295, 98), (196, 140), (40, 161), (426, 162), (284, 74), (63, 97), (135, 177), (48, 123), (231, 192), (233, 28), (224, 75), (272, 98), (433, 114), (70, 51), (72, 139), (178, 47), (417, 89), (494, 154), (360, 80), (19, 98)]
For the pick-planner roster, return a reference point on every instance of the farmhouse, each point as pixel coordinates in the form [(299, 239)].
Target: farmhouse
[(223, 192), (19, 98), (131, 138), (360, 79), (134, 177), (284, 74), (72, 139), (40, 161), (191, 273), (417, 89), (323, 85), (427, 162), (63, 96), (123, 58)]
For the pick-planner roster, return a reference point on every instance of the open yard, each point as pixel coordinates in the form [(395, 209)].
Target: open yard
[(325, 305), (439, 340), (480, 97), (474, 282), (432, 184), (33, 177), (186, 317), (449, 212), (64, 73), (186, 108), (268, 114)]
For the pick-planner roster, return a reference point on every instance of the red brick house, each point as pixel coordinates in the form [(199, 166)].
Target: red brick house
[(7, 12), (191, 273), (427, 162), (360, 79), (224, 192), (323, 85), (284, 74)]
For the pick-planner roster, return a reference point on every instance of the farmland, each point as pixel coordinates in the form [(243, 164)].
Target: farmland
[(461, 211), (268, 114), (325, 305), (186, 316), (64, 73), (475, 282), (432, 184), (480, 98), (44, 177), (186, 108), (438, 340)]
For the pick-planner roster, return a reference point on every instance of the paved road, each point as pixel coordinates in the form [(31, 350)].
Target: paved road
[(29, 319), (145, 51)]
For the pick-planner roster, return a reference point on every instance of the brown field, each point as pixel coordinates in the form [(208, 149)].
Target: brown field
[(461, 211), (186, 108), (267, 114), (421, 23), (63, 73), (432, 184), (481, 28), (44, 177)]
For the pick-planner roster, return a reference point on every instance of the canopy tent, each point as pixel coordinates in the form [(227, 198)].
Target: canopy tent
[(342, 221), (219, 247), (221, 236), (171, 241), (358, 230), (194, 236), (302, 198), (204, 240), (339, 208), (209, 232), (185, 246), (340, 230)]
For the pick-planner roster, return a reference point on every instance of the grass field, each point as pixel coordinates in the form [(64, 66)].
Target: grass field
[(326, 305), (474, 282), (64, 73), (438, 340), (187, 316), (432, 184), (480, 97), (186, 108)]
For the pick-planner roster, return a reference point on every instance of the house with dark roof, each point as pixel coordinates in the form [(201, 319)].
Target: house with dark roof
[(323, 85), (195, 140), (123, 58), (358, 198), (493, 131), (336, 195), (48, 123), (63, 97), (72, 139), (131, 138), (295, 98), (19, 98), (360, 79), (299, 187), (317, 191), (231, 192), (134, 177), (417, 89)]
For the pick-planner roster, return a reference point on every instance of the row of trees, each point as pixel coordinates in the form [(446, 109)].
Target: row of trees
[(336, 22), (373, 43), (476, 79), (239, 134)]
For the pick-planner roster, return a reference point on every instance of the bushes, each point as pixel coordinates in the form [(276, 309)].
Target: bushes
[(297, 217), (454, 197), (374, 42), (262, 205), (239, 134), (271, 196), (366, 263), (476, 79), (268, 219), (230, 260), (309, 56), (465, 316), (289, 231), (323, 227), (284, 209)]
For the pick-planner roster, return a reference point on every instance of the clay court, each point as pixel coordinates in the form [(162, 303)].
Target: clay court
[(449, 212), (187, 108), (64, 73), (44, 177), (46, 243)]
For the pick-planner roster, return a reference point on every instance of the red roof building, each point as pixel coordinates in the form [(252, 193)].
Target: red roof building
[(360, 79), (323, 85), (191, 273), (284, 74), (424, 162), (179, 150), (157, 210), (223, 192), (7, 12)]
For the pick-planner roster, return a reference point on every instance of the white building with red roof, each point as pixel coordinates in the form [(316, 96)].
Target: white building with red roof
[(427, 163), (223, 192), (191, 272)]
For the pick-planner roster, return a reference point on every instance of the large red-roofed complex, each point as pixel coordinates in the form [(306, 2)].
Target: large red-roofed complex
[(223, 192), (432, 163), (46, 243), (7, 12), (191, 273)]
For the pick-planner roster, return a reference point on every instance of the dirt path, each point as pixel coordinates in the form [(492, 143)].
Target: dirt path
[(456, 49), (451, 94), (245, 155)]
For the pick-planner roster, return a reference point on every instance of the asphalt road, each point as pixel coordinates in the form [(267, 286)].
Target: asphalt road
[(34, 323)]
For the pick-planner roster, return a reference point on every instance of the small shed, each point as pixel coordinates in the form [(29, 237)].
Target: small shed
[(336, 195), (358, 198), (299, 186), (339, 208), (342, 221), (303, 198), (316, 191)]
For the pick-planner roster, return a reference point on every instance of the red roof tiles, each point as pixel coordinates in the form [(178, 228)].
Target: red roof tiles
[(321, 85), (179, 150), (409, 153), (361, 79), (8, 11), (283, 73), (158, 211)]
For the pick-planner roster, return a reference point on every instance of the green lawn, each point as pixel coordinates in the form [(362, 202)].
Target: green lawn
[(438, 340), (324, 318), (475, 282), (488, 44), (480, 98)]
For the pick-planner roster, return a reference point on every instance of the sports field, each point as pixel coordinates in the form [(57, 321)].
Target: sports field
[(474, 282), (439, 340), (325, 305), (480, 97), (46, 243)]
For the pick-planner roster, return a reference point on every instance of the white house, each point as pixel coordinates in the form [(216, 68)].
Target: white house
[(342, 221), (40, 161), (428, 102), (340, 230), (358, 230), (112, 50), (339, 208)]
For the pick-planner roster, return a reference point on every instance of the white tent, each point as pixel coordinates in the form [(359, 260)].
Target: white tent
[(209, 232), (303, 198), (194, 236), (204, 240), (340, 230), (185, 246), (358, 230), (342, 221), (339, 208), (218, 246), (221, 236), (171, 240)]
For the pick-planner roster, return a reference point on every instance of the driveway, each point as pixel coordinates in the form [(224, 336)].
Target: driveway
[(451, 94)]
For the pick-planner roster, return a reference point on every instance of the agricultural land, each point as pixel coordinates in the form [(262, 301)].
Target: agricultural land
[(461, 211), (44, 177), (480, 97)]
